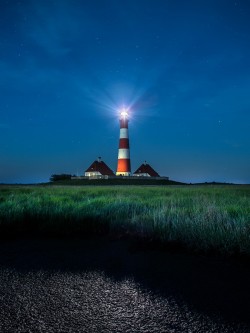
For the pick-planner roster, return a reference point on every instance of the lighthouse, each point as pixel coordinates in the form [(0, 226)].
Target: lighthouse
[(123, 165)]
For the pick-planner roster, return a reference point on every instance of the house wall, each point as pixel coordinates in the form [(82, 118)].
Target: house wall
[(92, 174)]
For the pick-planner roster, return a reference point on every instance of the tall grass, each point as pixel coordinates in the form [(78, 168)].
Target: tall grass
[(203, 217)]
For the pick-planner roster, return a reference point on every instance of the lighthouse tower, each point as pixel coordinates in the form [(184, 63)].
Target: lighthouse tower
[(123, 166)]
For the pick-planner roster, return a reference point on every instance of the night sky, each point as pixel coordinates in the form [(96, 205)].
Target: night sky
[(183, 68)]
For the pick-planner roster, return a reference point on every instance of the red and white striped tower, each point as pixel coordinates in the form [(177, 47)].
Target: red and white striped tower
[(123, 166)]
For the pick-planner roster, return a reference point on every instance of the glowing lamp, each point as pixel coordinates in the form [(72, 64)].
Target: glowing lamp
[(124, 113)]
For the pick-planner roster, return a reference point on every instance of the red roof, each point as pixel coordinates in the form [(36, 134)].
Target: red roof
[(146, 168), (101, 167)]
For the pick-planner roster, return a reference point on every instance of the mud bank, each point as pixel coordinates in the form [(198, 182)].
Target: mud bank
[(104, 285)]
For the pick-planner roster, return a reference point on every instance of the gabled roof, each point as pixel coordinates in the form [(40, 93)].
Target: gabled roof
[(146, 168), (101, 167)]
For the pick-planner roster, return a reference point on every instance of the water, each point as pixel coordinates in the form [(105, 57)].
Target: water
[(103, 286)]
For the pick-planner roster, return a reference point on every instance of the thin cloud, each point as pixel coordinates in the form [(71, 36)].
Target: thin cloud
[(54, 27)]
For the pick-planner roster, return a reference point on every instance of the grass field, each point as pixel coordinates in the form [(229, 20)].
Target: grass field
[(206, 218)]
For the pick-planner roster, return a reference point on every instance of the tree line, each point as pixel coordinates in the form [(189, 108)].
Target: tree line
[(62, 176)]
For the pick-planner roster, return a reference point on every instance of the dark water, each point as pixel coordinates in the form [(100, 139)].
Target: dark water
[(105, 286)]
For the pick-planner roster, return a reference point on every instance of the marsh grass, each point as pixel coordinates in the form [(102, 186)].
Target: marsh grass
[(207, 218)]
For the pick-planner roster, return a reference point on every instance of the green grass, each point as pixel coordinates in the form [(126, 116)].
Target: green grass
[(206, 218)]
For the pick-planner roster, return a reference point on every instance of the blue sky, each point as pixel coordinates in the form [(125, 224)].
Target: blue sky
[(183, 67)]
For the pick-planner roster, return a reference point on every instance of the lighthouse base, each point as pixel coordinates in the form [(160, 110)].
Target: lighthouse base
[(122, 173)]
